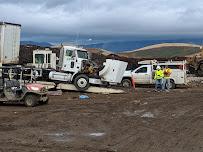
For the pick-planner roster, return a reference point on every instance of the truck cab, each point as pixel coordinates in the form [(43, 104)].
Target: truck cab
[(143, 74), (72, 58), (44, 59), (76, 67)]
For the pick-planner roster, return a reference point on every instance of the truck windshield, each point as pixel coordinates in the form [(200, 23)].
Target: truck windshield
[(82, 54), (39, 58)]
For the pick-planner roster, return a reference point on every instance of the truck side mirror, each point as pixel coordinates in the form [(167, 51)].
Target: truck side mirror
[(89, 55), (73, 57)]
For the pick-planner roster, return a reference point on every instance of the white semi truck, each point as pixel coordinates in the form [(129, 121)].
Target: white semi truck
[(75, 67), (144, 74)]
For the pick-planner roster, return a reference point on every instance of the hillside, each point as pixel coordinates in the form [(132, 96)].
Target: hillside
[(98, 51), (164, 51), (133, 44), (41, 44)]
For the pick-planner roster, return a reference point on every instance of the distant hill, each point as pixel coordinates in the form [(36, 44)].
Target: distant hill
[(99, 51), (166, 50), (42, 44), (124, 45), (128, 45)]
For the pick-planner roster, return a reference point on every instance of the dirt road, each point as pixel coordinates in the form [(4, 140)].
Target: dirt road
[(138, 121)]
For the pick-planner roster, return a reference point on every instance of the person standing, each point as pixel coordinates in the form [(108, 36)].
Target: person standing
[(159, 74), (166, 80)]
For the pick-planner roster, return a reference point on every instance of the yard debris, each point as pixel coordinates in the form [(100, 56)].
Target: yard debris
[(148, 115), (134, 113), (91, 89), (83, 97), (55, 93), (195, 81), (145, 103), (99, 134), (136, 101)]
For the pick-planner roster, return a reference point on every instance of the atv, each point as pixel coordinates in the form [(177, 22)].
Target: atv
[(12, 90)]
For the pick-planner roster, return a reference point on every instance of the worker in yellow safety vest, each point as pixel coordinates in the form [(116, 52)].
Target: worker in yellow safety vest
[(166, 80), (159, 74)]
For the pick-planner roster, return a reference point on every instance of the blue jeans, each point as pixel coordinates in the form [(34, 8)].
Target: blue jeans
[(158, 84), (166, 84)]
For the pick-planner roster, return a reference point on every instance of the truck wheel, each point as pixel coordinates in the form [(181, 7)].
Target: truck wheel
[(200, 70), (172, 85), (81, 82), (126, 83), (30, 100)]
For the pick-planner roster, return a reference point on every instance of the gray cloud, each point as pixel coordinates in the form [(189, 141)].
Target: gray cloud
[(104, 17)]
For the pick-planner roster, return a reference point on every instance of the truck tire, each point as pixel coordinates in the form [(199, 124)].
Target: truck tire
[(172, 84), (30, 100), (126, 83), (81, 82), (200, 70)]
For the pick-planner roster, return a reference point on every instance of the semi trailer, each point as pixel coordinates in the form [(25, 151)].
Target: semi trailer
[(9, 43)]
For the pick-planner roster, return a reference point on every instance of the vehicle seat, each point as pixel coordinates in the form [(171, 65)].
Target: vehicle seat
[(1, 84), (14, 85)]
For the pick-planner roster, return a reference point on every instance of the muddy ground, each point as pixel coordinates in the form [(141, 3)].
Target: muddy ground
[(138, 121)]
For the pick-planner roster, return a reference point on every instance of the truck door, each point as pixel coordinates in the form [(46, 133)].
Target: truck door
[(142, 75), (69, 61)]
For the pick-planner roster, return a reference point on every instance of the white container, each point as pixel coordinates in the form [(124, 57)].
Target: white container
[(9, 43)]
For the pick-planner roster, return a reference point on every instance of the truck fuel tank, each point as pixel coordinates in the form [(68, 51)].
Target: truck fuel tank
[(59, 76)]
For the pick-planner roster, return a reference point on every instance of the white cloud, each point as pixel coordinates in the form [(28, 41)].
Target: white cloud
[(104, 17)]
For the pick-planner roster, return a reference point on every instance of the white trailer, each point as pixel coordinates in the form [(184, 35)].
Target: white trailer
[(144, 74), (9, 43)]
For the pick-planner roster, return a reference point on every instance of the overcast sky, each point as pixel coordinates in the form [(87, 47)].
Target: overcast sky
[(57, 19)]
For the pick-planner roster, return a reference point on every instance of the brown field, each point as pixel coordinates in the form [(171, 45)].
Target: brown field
[(139, 121)]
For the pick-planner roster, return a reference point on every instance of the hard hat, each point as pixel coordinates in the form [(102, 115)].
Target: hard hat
[(158, 67), (169, 71)]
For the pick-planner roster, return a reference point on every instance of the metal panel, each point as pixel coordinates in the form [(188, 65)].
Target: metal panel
[(10, 43)]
